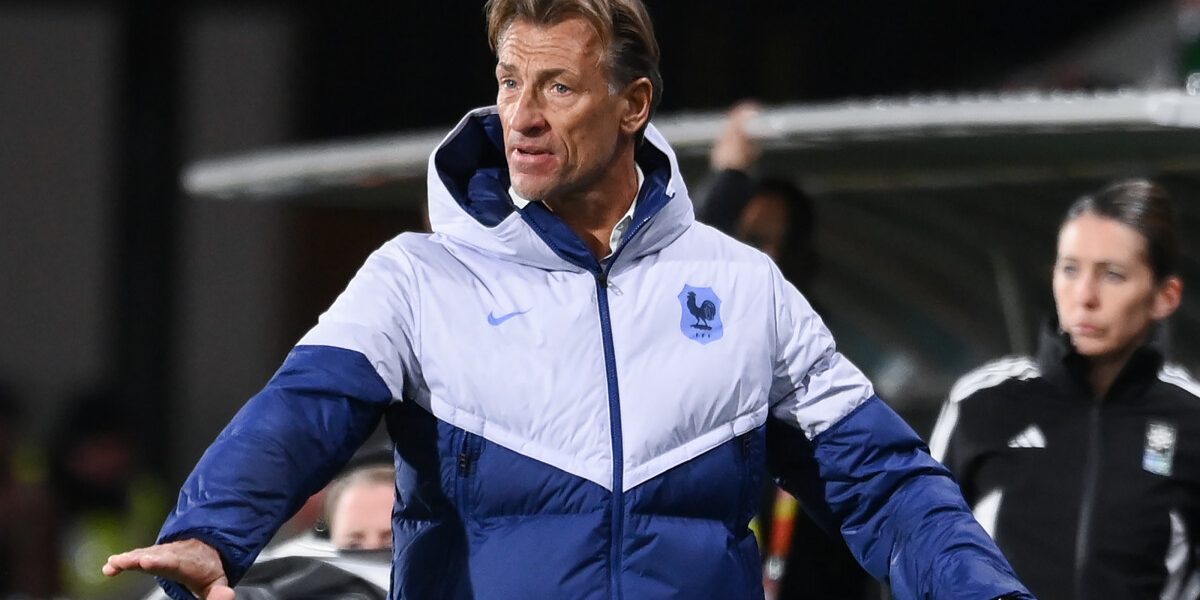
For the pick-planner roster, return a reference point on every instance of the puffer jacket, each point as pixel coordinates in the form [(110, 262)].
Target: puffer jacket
[(573, 428)]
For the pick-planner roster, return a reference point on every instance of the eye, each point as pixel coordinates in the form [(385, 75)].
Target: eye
[(1068, 270), (508, 83), (1114, 276), (560, 89)]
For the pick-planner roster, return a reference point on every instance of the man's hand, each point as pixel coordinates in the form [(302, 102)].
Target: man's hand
[(735, 149), (190, 562)]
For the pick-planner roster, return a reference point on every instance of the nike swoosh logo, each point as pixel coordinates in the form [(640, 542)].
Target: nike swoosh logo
[(494, 320)]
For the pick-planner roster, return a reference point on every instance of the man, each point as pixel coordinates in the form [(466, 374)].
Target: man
[(578, 378), (358, 508)]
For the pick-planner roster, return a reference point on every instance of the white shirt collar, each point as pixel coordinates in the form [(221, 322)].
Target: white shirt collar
[(618, 232)]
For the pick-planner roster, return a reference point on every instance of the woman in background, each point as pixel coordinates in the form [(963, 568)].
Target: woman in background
[(1084, 461)]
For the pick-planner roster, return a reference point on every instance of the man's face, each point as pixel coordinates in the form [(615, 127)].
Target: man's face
[(562, 123), (362, 519)]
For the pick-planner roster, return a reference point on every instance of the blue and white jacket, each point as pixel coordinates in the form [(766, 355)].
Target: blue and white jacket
[(566, 428)]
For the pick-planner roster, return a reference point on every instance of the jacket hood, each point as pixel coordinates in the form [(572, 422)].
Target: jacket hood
[(468, 186)]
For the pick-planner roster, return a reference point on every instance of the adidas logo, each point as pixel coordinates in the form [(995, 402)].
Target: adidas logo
[(1030, 437)]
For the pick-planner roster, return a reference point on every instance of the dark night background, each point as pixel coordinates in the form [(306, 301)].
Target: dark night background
[(172, 310), (380, 67)]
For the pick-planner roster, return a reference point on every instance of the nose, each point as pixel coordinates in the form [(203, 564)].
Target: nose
[(526, 116), (1087, 291)]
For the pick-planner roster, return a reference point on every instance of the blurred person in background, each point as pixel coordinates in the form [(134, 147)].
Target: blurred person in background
[(28, 552), (359, 509), (584, 387), (1084, 461), (801, 560), (346, 555), (771, 214), (355, 510), (105, 499)]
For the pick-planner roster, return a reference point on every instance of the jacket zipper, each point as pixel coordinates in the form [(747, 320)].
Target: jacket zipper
[(600, 272), (614, 417), (1091, 482), (614, 413), (467, 454)]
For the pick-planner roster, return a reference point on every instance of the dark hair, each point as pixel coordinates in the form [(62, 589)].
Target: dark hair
[(798, 257), (623, 26), (1143, 206)]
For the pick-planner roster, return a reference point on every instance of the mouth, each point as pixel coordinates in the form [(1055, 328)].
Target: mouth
[(526, 157), (1086, 330), (529, 151)]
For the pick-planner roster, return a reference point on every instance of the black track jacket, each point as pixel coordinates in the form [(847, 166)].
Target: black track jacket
[(1089, 499)]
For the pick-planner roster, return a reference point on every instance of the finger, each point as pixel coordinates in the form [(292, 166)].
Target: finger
[(743, 112), (158, 563), (219, 592), (123, 562), (748, 103)]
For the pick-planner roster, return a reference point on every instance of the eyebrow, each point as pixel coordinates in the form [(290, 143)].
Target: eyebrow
[(541, 75), (1103, 263)]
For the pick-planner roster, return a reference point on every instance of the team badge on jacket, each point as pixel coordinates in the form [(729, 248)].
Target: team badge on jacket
[(701, 314), (1160, 448)]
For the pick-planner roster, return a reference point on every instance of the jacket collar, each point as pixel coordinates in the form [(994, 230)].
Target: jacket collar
[(1067, 369), (469, 203)]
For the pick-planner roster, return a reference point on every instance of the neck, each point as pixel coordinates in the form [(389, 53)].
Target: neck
[(593, 213), (1104, 370)]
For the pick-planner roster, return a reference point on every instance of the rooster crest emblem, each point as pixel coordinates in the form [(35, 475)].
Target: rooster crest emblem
[(701, 314)]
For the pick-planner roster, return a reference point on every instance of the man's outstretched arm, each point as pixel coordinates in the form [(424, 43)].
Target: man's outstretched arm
[(290, 438), (861, 471), (281, 448)]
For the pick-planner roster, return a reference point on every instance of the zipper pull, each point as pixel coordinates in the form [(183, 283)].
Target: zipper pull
[(607, 284)]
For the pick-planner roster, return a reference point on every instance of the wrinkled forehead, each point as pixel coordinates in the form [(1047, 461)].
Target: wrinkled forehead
[(555, 16), (572, 37)]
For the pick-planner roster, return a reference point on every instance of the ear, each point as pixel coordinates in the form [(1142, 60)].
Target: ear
[(1167, 298), (639, 97)]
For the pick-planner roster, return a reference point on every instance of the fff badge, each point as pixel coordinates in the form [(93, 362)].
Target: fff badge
[(700, 317), (1160, 448)]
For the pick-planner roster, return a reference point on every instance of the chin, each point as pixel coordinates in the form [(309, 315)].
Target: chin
[(529, 190), (1095, 348)]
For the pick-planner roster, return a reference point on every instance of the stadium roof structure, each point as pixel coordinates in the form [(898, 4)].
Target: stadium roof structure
[(937, 215), (919, 141)]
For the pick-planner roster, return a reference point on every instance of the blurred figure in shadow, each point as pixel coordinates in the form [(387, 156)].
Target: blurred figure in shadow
[(28, 558), (356, 510), (313, 514), (359, 509), (106, 500), (771, 214), (801, 560), (1083, 462)]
